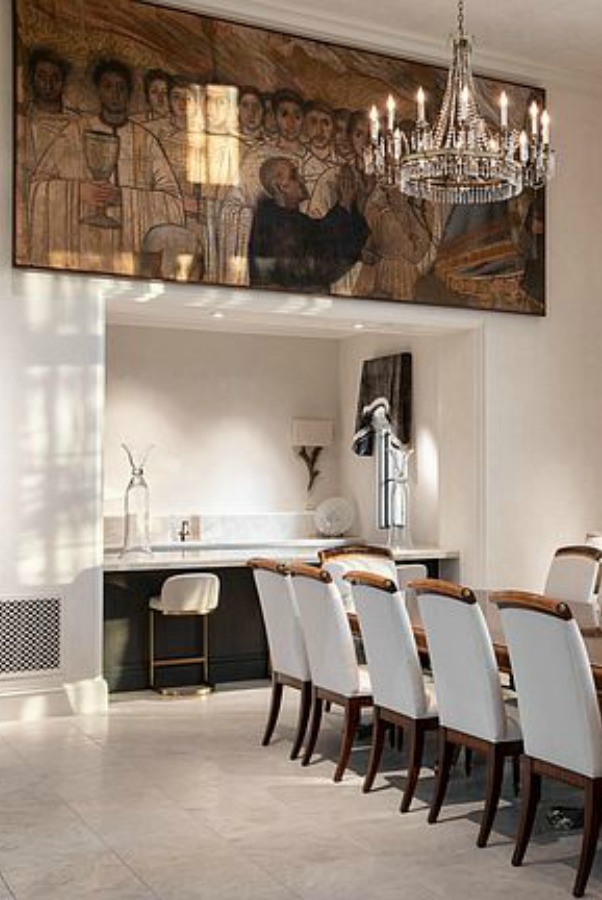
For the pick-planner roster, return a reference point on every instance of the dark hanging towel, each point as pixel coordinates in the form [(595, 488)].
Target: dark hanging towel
[(389, 377)]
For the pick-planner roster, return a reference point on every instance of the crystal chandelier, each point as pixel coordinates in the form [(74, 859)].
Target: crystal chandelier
[(461, 159)]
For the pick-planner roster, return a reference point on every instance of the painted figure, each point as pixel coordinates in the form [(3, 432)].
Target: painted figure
[(101, 185), (288, 249)]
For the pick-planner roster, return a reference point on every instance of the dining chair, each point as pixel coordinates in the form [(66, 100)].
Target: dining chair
[(574, 576), (559, 713), (472, 712), (336, 675), (401, 697), (288, 656), (337, 561)]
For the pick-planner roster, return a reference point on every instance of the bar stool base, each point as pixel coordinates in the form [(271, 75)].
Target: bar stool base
[(193, 690)]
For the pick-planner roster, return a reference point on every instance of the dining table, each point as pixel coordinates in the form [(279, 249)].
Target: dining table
[(592, 636)]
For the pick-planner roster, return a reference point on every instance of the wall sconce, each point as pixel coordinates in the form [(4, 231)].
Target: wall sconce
[(310, 436)]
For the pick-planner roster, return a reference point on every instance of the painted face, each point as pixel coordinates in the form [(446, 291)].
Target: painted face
[(218, 111), (360, 136), (186, 105), (47, 82), (269, 118), (113, 93), (157, 97), (293, 189), (250, 113), (289, 119), (340, 130), (319, 128)]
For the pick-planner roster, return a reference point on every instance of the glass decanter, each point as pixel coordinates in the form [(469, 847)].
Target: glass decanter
[(136, 538)]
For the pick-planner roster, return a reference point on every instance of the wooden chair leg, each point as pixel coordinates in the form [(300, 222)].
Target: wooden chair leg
[(376, 750), (303, 718), (516, 774), (446, 756), (467, 762), (531, 793), (414, 764), (316, 719), (591, 830), (399, 733), (495, 775), (352, 720), (275, 702)]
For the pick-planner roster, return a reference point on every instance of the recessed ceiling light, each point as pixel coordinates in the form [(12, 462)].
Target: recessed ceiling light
[(217, 315), (358, 326)]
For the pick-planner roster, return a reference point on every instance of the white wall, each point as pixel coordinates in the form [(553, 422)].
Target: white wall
[(544, 424), (51, 374), (218, 408)]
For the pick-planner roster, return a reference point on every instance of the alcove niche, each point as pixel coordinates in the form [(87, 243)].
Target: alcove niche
[(216, 397)]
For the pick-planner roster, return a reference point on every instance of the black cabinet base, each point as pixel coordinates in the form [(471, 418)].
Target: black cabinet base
[(237, 642)]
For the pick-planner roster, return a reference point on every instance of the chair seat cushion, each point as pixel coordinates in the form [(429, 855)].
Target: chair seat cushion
[(365, 683), (513, 729), (431, 700)]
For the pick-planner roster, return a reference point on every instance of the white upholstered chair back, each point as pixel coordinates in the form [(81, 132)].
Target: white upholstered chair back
[(362, 558), (393, 663), (467, 683), (188, 593), (278, 603), (330, 648), (407, 572), (557, 697), (573, 577)]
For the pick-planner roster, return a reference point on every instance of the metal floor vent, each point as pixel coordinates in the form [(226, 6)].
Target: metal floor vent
[(30, 635)]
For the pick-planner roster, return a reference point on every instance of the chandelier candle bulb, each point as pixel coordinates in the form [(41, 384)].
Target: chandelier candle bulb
[(374, 124), (390, 113), (533, 112), (545, 128), (420, 99), (504, 109), (523, 142)]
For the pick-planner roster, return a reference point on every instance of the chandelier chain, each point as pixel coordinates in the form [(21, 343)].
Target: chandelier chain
[(461, 18)]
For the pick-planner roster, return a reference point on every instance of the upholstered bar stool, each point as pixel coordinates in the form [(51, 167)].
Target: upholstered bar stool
[(191, 594)]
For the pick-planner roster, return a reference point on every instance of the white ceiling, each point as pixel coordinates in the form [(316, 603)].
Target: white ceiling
[(546, 40), (548, 33)]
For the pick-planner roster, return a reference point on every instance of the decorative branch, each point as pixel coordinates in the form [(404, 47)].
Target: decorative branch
[(139, 468), (310, 456)]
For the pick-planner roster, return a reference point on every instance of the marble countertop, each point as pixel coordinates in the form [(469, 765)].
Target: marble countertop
[(194, 555)]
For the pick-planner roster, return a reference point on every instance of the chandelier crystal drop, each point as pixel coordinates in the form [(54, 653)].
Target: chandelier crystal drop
[(462, 159)]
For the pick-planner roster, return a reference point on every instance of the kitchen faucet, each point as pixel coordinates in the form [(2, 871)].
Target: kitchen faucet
[(184, 531)]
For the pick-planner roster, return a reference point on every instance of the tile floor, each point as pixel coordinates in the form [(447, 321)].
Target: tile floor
[(175, 799)]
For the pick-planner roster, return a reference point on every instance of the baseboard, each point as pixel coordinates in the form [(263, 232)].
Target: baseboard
[(89, 696)]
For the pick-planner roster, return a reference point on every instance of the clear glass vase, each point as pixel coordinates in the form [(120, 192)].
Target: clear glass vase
[(136, 537)]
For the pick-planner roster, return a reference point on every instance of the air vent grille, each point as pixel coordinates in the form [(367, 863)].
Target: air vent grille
[(30, 635)]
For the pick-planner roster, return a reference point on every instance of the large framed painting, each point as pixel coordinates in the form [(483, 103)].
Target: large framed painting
[(158, 143)]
